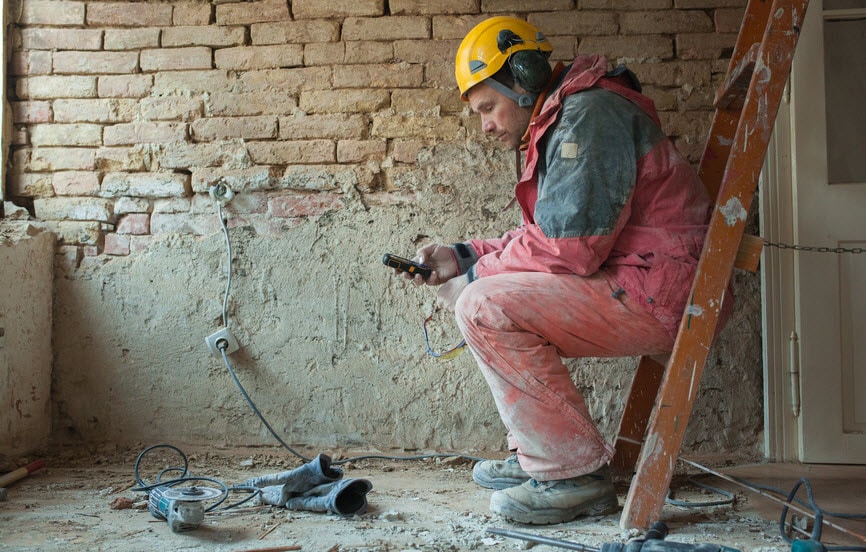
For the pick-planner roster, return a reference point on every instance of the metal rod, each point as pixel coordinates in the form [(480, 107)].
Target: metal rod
[(568, 545), (790, 505)]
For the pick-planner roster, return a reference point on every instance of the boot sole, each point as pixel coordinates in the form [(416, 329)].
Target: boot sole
[(599, 507)]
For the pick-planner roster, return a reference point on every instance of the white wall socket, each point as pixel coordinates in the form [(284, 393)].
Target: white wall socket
[(215, 340)]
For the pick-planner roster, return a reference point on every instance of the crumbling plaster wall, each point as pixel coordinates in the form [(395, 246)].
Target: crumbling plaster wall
[(338, 127)]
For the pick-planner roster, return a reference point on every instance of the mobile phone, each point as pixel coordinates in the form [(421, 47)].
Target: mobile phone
[(405, 265)]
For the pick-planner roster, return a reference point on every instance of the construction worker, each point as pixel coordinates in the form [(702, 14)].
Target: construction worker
[(613, 223)]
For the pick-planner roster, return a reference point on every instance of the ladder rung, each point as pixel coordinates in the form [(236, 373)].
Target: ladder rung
[(749, 254), (733, 93)]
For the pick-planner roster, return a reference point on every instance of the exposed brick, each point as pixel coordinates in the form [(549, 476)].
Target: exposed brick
[(136, 223), (245, 13), (116, 244), (186, 155), (56, 159), (176, 59), (61, 39), (191, 13), (126, 205), (426, 101), (287, 81), (444, 128), (233, 104), (73, 208), (677, 73), (222, 128), (239, 180), (170, 108), (30, 63), (131, 39), (323, 126), (51, 87), (324, 53), (50, 12), (79, 233), (75, 183), (354, 151), (316, 9), (386, 28), (580, 24), (193, 82), (326, 177), (199, 225), (630, 47), (423, 51), (120, 159), (624, 4), (451, 27), (125, 86), (259, 57), (149, 185), (286, 153), (66, 135), (31, 112), (517, 6), (368, 51), (128, 14), (173, 205), (95, 63), (704, 45), (306, 205), (29, 184), (295, 32), (143, 133), (728, 20), (203, 36), (704, 4), (344, 101), (395, 75), (94, 111), (665, 22), (422, 7), (406, 151)]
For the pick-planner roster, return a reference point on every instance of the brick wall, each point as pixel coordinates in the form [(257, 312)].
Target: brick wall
[(126, 113)]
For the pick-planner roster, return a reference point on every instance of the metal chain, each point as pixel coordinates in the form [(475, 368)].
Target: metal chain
[(814, 248)]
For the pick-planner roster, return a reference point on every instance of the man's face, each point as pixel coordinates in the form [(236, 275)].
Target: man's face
[(501, 117)]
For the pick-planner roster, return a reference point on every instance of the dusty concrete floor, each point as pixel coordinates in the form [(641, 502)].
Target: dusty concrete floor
[(429, 505)]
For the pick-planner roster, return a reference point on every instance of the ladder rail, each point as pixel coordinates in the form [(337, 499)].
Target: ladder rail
[(743, 159)]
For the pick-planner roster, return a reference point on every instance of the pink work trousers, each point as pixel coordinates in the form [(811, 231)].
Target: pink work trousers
[(519, 326)]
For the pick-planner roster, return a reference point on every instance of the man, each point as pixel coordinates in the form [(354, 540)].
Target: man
[(613, 223)]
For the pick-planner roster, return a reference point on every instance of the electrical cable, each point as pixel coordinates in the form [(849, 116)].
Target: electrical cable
[(683, 504), (223, 346), (186, 477)]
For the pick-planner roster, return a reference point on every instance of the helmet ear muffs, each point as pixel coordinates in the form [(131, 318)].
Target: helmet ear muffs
[(530, 69)]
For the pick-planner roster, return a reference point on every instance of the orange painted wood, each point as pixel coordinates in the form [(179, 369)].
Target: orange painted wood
[(732, 161), (632, 426)]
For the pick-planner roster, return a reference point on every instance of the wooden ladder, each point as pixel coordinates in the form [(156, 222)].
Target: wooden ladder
[(663, 393)]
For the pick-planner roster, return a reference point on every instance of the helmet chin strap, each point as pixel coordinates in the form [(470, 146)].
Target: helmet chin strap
[(523, 100)]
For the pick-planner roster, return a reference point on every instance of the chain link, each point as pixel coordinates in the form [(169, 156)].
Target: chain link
[(815, 249)]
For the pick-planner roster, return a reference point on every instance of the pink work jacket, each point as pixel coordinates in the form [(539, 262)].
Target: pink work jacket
[(603, 189)]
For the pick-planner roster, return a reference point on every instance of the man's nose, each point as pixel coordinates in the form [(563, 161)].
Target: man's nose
[(487, 126)]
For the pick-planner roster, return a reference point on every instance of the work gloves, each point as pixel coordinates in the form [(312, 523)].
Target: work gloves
[(316, 487)]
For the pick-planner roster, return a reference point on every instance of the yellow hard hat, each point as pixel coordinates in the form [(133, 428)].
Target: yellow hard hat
[(486, 48)]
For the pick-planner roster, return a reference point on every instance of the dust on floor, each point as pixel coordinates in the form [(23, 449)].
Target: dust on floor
[(418, 505)]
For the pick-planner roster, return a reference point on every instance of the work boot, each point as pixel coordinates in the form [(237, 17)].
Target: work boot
[(545, 502), (346, 498), (499, 474)]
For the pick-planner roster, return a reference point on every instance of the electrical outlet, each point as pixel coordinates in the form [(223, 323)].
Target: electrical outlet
[(220, 339)]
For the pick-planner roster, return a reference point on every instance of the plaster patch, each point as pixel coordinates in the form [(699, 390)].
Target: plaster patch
[(733, 211), (695, 310)]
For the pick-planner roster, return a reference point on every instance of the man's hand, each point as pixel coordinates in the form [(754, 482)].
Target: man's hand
[(438, 257), (448, 294)]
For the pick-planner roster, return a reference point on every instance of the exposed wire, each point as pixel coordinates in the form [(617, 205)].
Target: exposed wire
[(222, 347)]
